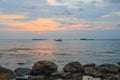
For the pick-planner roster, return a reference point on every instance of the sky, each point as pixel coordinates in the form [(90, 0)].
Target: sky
[(67, 19)]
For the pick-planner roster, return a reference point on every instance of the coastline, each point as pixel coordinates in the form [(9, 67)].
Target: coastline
[(47, 70)]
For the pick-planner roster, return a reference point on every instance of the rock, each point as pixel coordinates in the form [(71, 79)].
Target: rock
[(36, 77), (89, 65), (6, 74), (66, 75), (92, 72), (90, 78), (77, 78), (73, 67), (113, 77), (44, 67), (118, 63), (21, 79), (106, 65), (75, 75), (24, 71), (57, 74), (108, 69)]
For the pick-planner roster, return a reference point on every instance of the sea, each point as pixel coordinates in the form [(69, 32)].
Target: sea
[(25, 52)]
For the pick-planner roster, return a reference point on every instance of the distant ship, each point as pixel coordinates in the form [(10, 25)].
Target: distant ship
[(39, 39), (86, 39), (58, 40)]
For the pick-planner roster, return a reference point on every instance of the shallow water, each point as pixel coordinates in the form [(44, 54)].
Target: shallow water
[(24, 53)]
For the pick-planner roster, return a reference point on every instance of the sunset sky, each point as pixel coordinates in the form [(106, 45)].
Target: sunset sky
[(26, 19)]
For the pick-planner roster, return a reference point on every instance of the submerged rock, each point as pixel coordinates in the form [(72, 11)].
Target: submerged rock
[(73, 67), (44, 67), (6, 74)]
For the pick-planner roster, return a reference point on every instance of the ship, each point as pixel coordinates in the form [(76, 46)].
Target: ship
[(58, 40), (86, 39), (39, 39)]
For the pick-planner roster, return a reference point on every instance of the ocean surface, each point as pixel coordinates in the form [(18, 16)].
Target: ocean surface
[(24, 53)]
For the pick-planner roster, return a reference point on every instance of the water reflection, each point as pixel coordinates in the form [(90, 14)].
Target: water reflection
[(28, 52)]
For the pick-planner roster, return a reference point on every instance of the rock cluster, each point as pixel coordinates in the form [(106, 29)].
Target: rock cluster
[(46, 70)]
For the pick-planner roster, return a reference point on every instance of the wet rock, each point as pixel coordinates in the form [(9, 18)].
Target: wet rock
[(44, 67), (106, 65), (24, 71), (57, 74), (118, 63), (36, 77), (66, 75), (92, 72), (89, 65), (108, 69), (113, 77), (75, 75), (6, 74), (77, 78), (73, 67), (90, 78)]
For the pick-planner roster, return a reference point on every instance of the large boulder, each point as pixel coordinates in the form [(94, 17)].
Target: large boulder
[(44, 67), (6, 74), (73, 67)]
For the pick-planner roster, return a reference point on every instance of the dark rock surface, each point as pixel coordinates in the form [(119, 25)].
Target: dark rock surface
[(73, 67), (46, 70), (44, 67), (118, 63)]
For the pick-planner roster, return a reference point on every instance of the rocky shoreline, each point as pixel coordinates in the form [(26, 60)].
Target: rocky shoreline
[(47, 70)]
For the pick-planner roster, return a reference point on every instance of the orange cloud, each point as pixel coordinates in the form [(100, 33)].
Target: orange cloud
[(42, 25)]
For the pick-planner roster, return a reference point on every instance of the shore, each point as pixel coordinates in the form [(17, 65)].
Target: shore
[(47, 70)]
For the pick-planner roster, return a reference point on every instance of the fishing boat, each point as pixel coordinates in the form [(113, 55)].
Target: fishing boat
[(58, 40), (39, 39), (86, 39)]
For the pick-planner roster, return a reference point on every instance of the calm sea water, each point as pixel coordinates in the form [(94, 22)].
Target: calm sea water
[(84, 51)]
